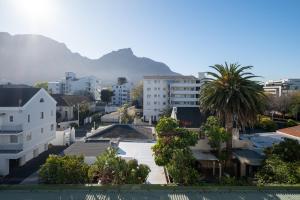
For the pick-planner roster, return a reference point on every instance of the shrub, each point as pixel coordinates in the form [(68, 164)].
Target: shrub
[(277, 171), (267, 124), (75, 125), (64, 170), (112, 169), (291, 123)]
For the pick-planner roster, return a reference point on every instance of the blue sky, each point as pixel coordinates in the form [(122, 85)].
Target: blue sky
[(187, 35)]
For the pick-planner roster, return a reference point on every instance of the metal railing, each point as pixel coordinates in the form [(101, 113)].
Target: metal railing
[(11, 128)]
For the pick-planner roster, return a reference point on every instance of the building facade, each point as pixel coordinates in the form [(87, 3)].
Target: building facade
[(166, 92), (121, 93), (71, 85), (282, 87), (27, 124)]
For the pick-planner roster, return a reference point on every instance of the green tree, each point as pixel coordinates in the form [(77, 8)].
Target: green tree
[(215, 133), (181, 167), (64, 170), (295, 105), (41, 85), (275, 170), (172, 150), (233, 95), (109, 168), (124, 115), (106, 95), (288, 150), (137, 95)]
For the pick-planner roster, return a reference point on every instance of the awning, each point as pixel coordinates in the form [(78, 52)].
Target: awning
[(202, 155), (248, 156)]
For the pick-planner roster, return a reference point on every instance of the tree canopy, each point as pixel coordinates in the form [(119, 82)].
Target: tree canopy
[(109, 168), (172, 150), (64, 170), (231, 93), (106, 95)]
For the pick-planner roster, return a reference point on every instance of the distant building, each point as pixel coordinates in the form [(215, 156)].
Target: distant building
[(121, 92), (161, 92), (282, 87), (71, 85), (27, 124)]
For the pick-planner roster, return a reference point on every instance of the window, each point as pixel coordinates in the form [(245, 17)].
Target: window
[(52, 127), (42, 130), (148, 89), (13, 139), (41, 100), (42, 115), (28, 137), (28, 118), (11, 118), (52, 112)]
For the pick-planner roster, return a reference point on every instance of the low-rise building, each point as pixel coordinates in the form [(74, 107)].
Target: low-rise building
[(71, 85), (27, 124), (282, 87)]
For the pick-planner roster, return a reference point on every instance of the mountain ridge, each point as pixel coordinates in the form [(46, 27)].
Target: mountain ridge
[(28, 58)]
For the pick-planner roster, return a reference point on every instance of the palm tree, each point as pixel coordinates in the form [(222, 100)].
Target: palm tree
[(233, 96)]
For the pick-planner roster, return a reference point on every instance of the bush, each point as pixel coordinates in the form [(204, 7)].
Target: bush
[(277, 171), (112, 169), (75, 125), (233, 181), (267, 124), (64, 170), (291, 123)]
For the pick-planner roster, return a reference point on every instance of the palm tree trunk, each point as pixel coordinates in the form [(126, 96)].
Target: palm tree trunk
[(229, 129)]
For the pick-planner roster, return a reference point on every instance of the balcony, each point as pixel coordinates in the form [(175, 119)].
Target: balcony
[(185, 85), (11, 147), (7, 129)]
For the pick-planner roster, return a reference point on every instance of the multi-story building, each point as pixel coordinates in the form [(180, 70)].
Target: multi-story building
[(162, 92), (71, 85), (27, 124), (121, 92), (282, 87)]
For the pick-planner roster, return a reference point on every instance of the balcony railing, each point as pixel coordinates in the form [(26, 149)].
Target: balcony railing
[(11, 128), (8, 147)]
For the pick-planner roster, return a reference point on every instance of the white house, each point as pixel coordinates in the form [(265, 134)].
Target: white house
[(161, 92), (71, 85), (27, 124)]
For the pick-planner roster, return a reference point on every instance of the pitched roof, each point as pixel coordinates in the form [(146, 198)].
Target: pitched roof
[(16, 97), (89, 148), (70, 100), (293, 131), (248, 156), (189, 117)]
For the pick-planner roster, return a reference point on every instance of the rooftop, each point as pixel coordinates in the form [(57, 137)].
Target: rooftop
[(169, 77), (90, 148), (123, 132), (16, 97), (70, 100), (293, 131), (248, 156)]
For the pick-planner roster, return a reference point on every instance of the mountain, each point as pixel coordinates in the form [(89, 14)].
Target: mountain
[(31, 58)]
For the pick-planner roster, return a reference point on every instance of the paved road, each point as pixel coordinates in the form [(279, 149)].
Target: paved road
[(32, 166)]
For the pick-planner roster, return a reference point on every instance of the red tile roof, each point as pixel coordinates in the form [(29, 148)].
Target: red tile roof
[(294, 131)]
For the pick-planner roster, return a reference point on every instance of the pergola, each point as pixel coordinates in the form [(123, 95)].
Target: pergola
[(200, 155)]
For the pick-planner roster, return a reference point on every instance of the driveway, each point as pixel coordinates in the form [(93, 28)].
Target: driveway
[(143, 153), (19, 174)]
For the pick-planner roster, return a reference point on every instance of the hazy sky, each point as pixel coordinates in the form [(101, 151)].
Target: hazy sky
[(186, 35)]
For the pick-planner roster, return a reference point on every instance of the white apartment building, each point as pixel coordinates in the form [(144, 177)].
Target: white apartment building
[(282, 87), (71, 85), (161, 92), (27, 124), (121, 93)]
